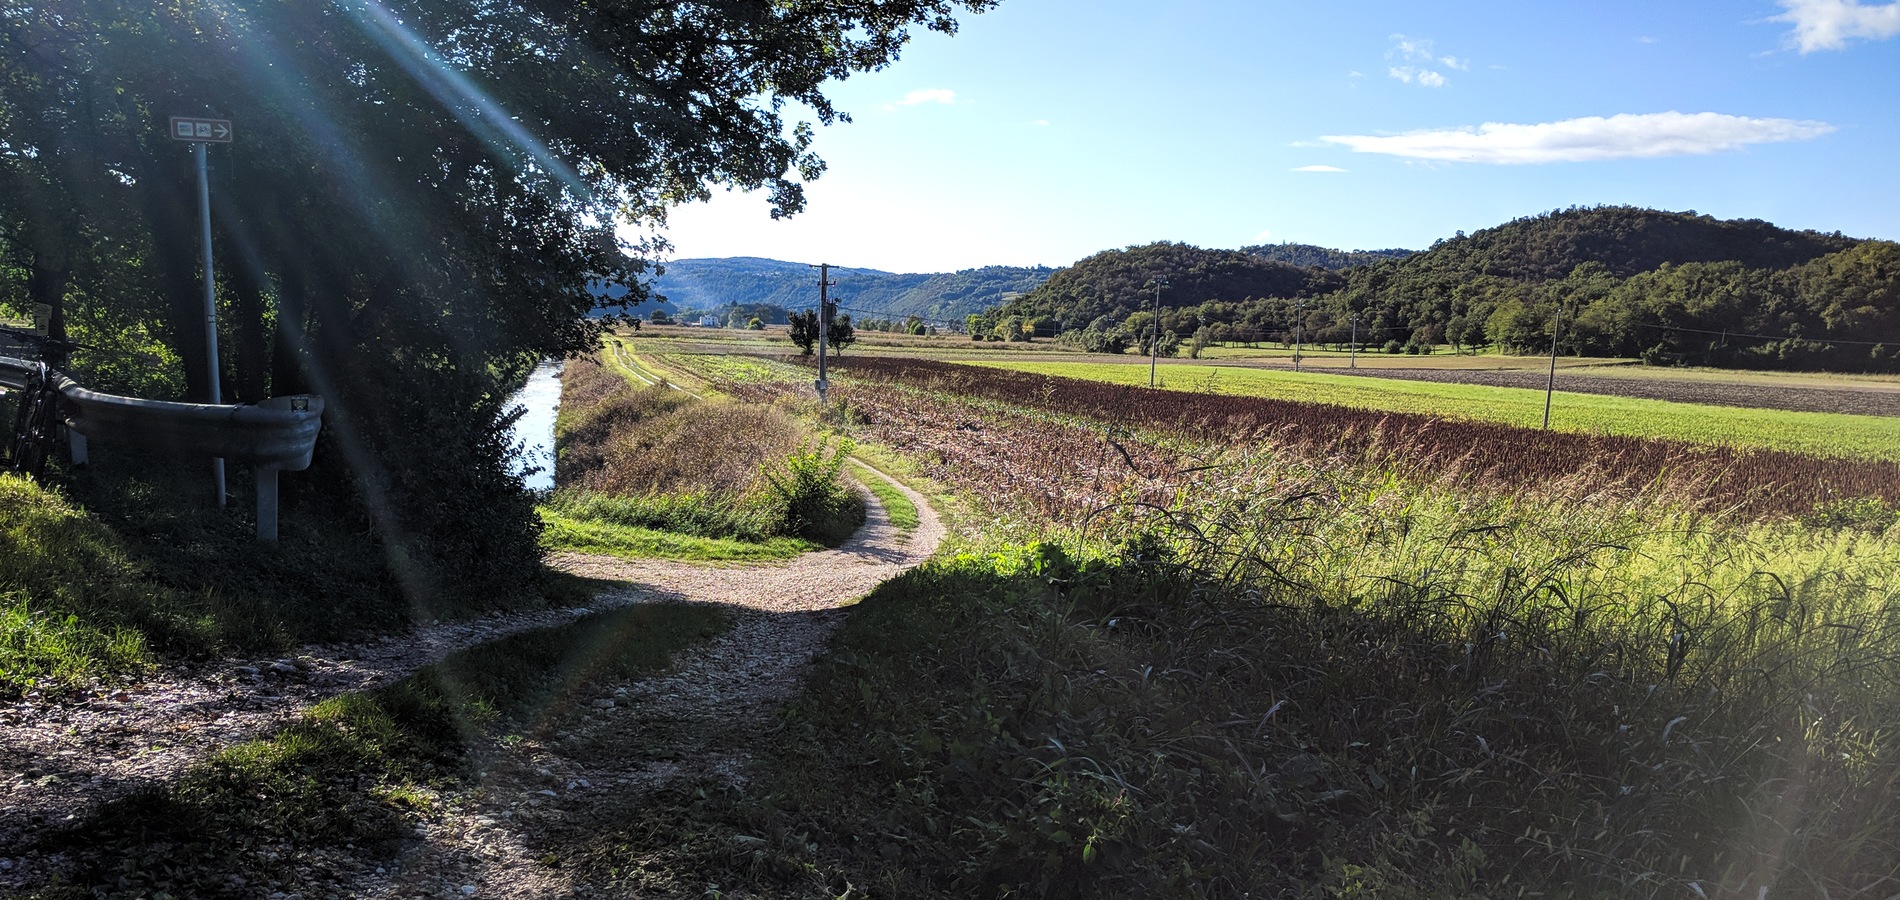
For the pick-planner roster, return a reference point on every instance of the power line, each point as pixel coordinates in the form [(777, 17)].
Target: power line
[(1766, 337)]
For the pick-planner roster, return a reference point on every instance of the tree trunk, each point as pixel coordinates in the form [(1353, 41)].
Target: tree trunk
[(46, 284), (250, 356), (171, 206)]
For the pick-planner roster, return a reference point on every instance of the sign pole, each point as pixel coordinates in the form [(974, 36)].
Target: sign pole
[(211, 305), (199, 132)]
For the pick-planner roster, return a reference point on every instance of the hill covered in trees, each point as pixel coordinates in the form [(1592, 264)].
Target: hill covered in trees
[(1316, 257), (1666, 287), (1105, 289), (711, 285)]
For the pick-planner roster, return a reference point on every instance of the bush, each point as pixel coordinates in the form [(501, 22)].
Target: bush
[(806, 498), (1394, 346)]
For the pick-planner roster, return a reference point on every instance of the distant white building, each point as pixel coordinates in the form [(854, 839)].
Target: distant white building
[(710, 321)]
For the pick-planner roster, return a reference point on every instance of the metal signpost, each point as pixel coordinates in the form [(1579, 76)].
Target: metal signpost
[(199, 132)]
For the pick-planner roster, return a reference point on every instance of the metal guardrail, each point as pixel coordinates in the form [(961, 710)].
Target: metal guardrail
[(276, 435)]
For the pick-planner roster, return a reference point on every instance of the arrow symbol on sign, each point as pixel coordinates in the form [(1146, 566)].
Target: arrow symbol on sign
[(223, 130)]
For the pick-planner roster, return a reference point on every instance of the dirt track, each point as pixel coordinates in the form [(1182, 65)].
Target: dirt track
[(695, 721)]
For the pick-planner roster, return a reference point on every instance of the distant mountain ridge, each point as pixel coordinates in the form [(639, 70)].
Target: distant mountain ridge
[(691, 285)]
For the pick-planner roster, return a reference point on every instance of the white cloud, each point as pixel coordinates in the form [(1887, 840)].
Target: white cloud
[(1319, 169), (944, 96), (1420, 77), (1415, 49), (1041, 123), (1646, 39), (1407, 50), (1263, 237), (1831, 24), (1589, 139)]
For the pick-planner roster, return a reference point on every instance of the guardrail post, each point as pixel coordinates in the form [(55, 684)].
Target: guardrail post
[(76, 443), (267, 503)]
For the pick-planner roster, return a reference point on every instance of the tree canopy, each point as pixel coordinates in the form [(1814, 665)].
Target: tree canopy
[(419, 193)]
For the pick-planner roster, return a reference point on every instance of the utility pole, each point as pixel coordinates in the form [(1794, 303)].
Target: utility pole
[(1299, 329), (1154, 345), (1550, 386), (824, 322), (1353, 348)]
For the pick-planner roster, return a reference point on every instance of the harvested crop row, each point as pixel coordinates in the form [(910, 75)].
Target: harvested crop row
[(1757, 483)]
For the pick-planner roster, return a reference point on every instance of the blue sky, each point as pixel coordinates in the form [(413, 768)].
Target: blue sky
[(1048, 130)]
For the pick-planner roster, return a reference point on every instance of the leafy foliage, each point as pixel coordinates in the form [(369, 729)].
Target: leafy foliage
[(1313, 257), (807, 497), (420, 197)]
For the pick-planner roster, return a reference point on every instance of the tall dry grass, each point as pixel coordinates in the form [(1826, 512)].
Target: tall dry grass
[(649, 457), (614, 438)]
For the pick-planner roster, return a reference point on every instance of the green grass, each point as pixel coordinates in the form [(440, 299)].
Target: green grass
[(148, 572), (361, 769), (1818, 434), (901, 511), (1319, 682), (634, 542), (738, 369)]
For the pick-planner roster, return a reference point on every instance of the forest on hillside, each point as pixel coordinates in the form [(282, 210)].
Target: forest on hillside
[(1316, 257), (1664, 287)]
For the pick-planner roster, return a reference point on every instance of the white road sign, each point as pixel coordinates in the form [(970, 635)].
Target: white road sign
[(205, 131)]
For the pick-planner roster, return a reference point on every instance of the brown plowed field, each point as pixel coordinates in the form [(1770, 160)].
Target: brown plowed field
[(1872, 400)]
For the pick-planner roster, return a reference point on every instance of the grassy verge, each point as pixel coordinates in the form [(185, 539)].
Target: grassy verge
[(902, 512), (1312, 681), (607, 538), (359, 770), (146, 571), (1819, 434)]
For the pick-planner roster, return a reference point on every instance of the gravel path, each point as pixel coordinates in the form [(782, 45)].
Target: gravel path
[(698, 720), (60, 759)]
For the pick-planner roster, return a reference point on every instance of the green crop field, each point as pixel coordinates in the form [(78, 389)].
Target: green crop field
[(1821, 434)]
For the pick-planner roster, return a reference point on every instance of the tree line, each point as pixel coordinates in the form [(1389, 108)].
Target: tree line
[(1667, 288)]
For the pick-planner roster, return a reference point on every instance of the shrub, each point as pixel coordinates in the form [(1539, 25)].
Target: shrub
[(807, 499)]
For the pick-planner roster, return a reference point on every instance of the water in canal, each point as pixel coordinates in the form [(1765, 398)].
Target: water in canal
[(535, 429)]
